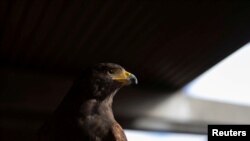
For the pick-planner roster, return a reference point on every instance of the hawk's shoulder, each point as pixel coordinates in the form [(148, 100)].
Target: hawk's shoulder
[(118, 132)]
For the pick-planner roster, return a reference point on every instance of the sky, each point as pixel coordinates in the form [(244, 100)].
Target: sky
[(228, 81), (134, 135)]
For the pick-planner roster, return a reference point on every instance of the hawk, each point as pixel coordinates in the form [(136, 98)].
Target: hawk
[(85, 113)]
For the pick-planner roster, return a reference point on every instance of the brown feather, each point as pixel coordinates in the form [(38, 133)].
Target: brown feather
[(118, 132)]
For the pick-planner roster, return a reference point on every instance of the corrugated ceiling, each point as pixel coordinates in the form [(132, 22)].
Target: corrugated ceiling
[(162, 42)]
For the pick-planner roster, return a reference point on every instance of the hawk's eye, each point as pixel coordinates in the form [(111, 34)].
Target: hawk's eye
[(111, 71)]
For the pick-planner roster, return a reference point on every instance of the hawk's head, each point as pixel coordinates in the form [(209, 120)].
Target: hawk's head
[(113, 74), (105, 78)]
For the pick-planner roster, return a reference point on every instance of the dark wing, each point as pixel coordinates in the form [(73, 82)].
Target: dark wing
[(118, 133)]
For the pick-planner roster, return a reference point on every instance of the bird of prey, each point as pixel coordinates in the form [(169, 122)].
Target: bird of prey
[(85, 113)]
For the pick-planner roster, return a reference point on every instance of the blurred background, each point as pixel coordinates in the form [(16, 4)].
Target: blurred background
[(191, 59)]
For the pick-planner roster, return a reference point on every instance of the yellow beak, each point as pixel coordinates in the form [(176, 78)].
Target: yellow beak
[(125, 78)]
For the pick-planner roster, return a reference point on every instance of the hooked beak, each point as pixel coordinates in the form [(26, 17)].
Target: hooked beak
[(126, 78)]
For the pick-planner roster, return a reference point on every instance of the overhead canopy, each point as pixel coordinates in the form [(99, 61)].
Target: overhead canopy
[(166, 43)]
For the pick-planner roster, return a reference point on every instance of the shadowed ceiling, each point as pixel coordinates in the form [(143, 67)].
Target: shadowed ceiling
[(45, 43), (162, 42)]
